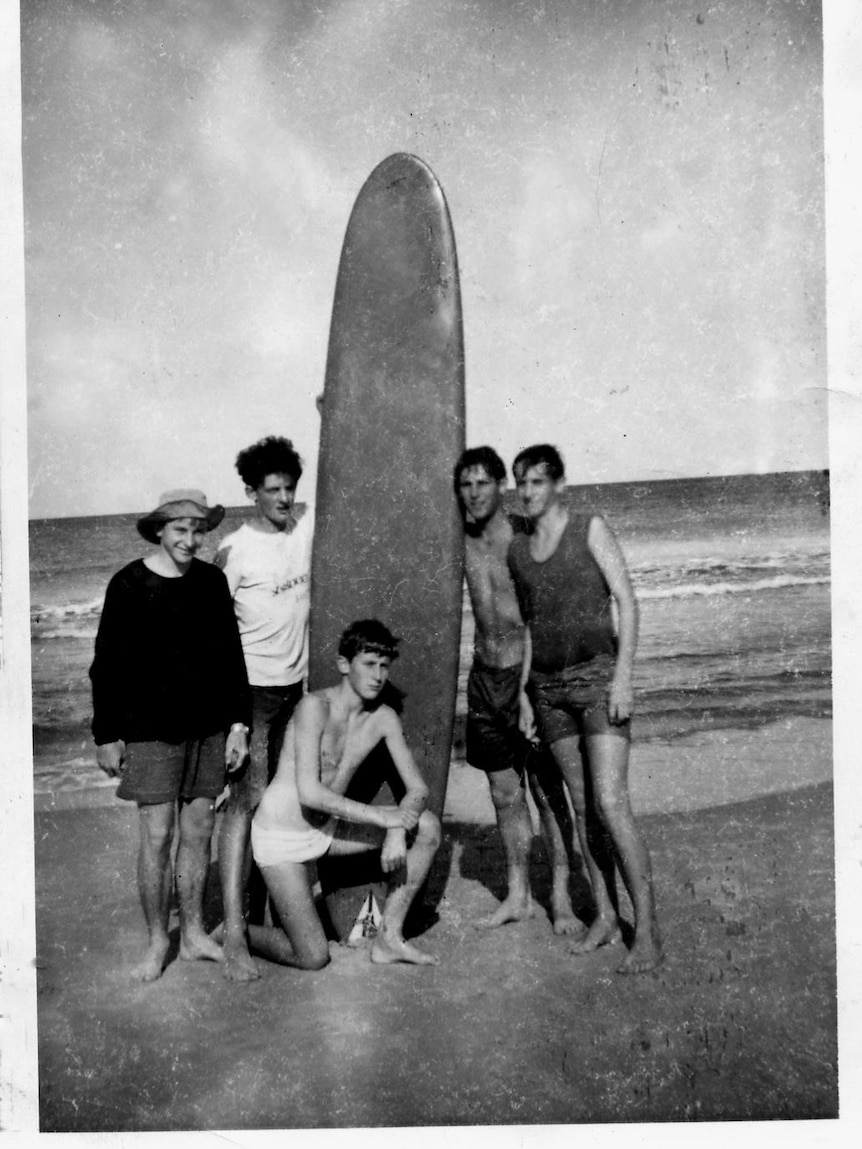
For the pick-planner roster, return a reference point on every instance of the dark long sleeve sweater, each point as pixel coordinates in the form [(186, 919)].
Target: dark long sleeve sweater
[(169, 664)]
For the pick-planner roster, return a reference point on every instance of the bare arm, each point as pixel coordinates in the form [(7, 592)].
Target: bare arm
[(310, 718), (416, 792), (394, 853), (526, 718), (606, 551)]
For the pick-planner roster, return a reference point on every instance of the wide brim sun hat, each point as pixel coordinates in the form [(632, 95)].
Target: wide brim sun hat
[(180, 504)]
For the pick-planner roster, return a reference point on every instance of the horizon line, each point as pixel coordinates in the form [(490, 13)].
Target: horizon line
[(823, 471)]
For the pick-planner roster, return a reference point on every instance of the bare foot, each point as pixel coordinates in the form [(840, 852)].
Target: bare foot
[(645, 954), (562, 916), (239, 965), (600, 933), (565, 922), (195, 945), (510, 910), (386, 949), (150, 968)]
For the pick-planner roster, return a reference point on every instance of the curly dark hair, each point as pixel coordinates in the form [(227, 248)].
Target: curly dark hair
[(273, 455)]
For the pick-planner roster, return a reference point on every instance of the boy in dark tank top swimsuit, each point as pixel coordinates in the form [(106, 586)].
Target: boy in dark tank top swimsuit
[(494, 743), (569, 573)]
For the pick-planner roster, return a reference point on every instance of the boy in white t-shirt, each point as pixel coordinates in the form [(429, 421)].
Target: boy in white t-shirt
[(267, 563)]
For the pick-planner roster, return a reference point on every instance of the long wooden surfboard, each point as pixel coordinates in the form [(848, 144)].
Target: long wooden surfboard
[(388, 536)]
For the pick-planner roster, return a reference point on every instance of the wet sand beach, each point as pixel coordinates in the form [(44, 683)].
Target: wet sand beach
[(739, 1022)]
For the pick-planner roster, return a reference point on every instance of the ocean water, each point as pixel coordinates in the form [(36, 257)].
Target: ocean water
[(731, 574)]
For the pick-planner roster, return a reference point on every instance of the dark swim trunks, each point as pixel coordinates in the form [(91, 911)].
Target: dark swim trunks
[(493, 739), (574, 701), (157, 772)]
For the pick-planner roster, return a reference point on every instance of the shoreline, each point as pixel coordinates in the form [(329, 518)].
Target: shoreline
[(694, 770)]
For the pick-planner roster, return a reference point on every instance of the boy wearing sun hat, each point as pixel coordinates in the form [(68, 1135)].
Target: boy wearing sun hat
[(171, 710)]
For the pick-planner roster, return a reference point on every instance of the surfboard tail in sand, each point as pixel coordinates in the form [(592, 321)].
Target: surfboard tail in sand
[(367, 921)]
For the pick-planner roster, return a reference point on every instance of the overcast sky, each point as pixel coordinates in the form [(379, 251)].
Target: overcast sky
[(636, 190)]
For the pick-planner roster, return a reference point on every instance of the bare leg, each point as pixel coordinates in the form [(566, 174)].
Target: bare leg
[(234, 857), (272, 943), (513, 819), (197, 819), (608, 758), (302, 943), (154, 884), (605, 928), (554, 815), (389, 945)]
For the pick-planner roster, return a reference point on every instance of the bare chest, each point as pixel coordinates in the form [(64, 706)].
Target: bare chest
[(487, 570), (344, 747)]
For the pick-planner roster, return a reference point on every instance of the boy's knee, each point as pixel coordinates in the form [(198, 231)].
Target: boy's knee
[(429, 828), (506, 790), (156, 833), (317, 960), (198, 819), (156, 843), (612, 809), (156, 828)]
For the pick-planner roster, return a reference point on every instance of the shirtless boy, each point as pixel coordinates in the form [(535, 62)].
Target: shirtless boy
[(567, 574), (494, 693), (170, 711), (305, 814)]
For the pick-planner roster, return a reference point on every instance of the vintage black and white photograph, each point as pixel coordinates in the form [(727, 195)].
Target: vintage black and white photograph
[(430, 581)]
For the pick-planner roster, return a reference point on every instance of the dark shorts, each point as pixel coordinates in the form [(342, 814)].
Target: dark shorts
[(493, 739), (574, 702), (157, 772), (271, 708)]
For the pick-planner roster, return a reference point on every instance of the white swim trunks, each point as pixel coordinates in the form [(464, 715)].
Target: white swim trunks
[(272, 847)]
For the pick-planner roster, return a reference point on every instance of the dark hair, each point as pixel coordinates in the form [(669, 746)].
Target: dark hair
[(537, 456), (273, 455), (485, 457), (367, 635)]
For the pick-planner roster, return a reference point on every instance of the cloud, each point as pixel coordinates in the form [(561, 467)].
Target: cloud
[(189, 173)]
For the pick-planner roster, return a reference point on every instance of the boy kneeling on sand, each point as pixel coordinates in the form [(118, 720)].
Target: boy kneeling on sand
[(304, 813)]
